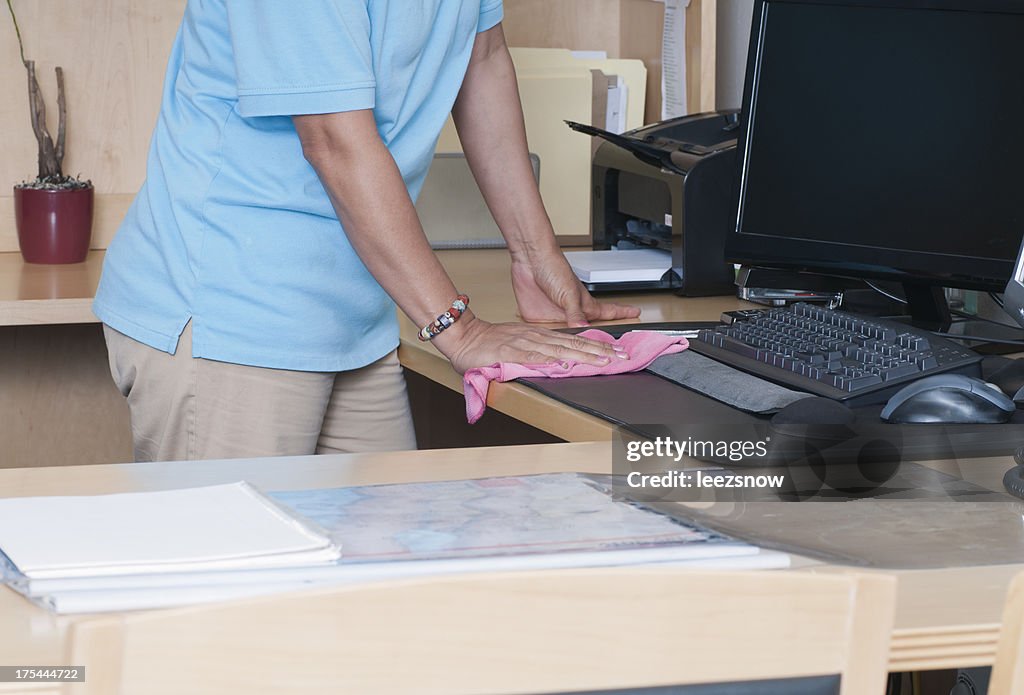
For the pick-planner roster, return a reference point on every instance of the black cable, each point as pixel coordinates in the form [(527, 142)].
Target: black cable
[(882, 292), (973, 317), (995, 298)]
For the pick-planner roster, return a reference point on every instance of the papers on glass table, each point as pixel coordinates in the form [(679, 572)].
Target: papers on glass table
[(420, 529)]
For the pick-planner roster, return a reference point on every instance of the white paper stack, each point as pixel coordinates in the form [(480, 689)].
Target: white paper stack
[(187, 532), (634, 265)]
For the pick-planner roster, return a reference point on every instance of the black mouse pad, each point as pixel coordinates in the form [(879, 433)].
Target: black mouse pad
[(646, 404)]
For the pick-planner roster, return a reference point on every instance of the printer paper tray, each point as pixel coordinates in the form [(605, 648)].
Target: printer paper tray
[(631, 286)]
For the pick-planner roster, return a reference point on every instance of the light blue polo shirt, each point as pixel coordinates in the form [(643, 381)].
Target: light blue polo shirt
[(232, 228)]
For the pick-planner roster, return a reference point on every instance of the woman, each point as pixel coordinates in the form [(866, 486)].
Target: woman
[(241, 318)]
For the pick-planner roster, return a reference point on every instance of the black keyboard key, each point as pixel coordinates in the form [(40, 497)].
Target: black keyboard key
[(816, 373), (900, 371), (816, 358), (855, 383), (913, 342), (738, 347)]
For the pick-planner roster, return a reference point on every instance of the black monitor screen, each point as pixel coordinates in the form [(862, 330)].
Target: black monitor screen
[(885, 138)]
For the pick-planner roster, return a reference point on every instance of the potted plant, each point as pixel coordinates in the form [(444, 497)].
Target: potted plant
[(53, 213)]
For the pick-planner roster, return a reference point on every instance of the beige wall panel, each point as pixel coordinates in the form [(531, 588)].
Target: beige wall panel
[(641, 23), (114, 53), (588, 24)]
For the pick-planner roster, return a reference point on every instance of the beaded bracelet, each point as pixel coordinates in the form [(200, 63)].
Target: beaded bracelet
[(446, 319)]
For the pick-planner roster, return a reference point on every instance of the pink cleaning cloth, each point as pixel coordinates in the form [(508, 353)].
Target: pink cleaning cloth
[(643, 347)]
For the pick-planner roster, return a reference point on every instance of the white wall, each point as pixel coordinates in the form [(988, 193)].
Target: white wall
[(733, 36)]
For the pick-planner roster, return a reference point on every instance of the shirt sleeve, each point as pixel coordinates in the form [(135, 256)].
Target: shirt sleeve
[(491, 12), (291, 61)]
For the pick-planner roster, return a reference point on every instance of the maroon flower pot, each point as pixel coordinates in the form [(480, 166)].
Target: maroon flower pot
[(54, 226)]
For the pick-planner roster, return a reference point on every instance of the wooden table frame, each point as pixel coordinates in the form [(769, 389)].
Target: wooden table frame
[(945, 618)]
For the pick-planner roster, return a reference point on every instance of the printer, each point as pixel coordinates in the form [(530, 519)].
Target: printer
[(670, 186)]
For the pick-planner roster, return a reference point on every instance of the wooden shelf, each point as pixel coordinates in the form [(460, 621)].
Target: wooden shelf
[(47, 294)]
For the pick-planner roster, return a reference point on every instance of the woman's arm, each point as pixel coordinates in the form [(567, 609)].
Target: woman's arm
[(373, 204), (489, 118)]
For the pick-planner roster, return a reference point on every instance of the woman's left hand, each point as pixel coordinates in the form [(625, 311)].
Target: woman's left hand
[(547, 290)]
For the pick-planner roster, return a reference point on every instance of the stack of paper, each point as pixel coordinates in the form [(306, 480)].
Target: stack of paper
[(634, 265), (122, 538)]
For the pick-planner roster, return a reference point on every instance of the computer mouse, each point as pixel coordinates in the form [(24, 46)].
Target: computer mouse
[(949, 399)]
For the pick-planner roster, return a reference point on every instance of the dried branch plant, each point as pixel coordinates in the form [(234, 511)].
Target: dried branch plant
[(51, 154)]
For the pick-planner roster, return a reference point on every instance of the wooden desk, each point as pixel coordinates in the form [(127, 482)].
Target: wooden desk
[(53, 355), (52, 365), (945, 617), (484, 274)]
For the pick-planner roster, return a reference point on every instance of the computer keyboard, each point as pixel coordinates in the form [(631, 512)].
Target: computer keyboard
[(841, 356)]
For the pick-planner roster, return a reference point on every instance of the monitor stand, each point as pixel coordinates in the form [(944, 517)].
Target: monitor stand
[(927, 307)]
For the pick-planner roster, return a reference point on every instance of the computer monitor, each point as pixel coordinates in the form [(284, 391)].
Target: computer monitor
[(884, 139)]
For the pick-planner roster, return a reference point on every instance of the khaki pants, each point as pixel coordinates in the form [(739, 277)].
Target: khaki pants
[(185, 408)]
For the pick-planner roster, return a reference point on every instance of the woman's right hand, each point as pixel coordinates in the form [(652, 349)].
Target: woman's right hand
[(473, 342)]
